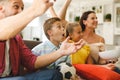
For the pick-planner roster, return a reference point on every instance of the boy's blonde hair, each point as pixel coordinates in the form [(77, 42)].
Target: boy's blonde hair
[(49, 24)]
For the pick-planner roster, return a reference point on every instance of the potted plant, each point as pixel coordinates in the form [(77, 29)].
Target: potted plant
[(77, 18), (108, 17)]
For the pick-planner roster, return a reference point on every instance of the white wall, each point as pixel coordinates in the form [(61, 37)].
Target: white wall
[(74, 9)]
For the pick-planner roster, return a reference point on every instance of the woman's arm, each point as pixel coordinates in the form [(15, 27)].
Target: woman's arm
[(63, 10)]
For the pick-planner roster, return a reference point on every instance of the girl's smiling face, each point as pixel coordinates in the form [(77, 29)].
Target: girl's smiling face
[(76, 33)]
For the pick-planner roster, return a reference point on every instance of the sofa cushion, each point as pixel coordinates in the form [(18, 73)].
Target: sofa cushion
[(93, 72)]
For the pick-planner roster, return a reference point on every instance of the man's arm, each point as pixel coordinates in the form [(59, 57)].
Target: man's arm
[(11, 26), (65, 49)]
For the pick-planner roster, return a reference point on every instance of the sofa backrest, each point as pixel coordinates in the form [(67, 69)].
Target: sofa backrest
[(30, 43)]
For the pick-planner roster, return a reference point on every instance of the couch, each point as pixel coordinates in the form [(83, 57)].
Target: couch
[(31, 43)]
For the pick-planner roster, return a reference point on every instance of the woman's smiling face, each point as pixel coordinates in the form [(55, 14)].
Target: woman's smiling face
[(91, 21)]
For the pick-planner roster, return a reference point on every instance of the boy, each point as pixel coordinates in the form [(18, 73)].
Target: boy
[(55, 33)]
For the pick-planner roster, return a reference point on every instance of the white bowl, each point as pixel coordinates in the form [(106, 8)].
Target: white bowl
[(110, 54)]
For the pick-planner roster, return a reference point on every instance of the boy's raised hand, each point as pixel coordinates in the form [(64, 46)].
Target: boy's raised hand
[(69, 48)]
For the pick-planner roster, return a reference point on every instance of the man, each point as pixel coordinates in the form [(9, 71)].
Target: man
[(14, 53), (11, 26)]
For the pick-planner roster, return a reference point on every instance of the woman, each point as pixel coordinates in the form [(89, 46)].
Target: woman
[(88, 23)]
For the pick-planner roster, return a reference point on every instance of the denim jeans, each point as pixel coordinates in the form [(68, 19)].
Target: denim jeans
[(44, 74), (13, 78), (117, 70)]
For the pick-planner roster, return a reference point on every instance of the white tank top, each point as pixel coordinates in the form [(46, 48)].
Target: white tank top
[(7, 61)]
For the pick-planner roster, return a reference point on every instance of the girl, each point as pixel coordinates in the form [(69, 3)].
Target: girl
[(75, 32)]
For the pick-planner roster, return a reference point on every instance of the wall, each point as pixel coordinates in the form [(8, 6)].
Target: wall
[(76, 9), (33, 31)]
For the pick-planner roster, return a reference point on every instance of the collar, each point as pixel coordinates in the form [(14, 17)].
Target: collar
[(51, 45)]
